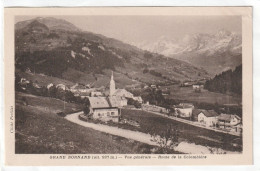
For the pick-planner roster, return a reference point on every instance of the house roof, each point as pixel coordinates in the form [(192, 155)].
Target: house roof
[(196, 112), (139, 98), (207, 113), (227, 117), (105, 102), (98, 102)]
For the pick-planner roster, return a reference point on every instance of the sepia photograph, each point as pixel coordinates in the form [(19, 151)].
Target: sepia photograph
[(129, 84)]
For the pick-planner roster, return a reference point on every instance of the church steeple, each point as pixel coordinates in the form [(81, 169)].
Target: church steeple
[(112, 85)]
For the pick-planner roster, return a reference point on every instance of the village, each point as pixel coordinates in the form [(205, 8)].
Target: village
[(105, 105)]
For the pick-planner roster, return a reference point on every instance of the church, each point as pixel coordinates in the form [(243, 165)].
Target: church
[(118, 95)]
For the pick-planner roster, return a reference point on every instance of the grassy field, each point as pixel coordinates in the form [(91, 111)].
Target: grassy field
[(151, 123), (188, 94), (38, 130)]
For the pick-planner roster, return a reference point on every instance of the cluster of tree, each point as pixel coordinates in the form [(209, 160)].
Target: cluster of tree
[(228, 81), (167, 139), (152, 72), (136, 104), (154, 96)]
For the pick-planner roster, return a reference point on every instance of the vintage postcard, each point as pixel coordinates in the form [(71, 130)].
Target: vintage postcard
[(128, 86)]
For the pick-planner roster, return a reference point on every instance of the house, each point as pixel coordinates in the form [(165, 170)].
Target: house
[(61, 86), (138, 98), (24, 82), (35, 85), (78, 88), (184, 110), (104, 109), (146, 86), (197, 86), (228, 120), (166, 92), (208, 118), (154, 108), (95, 94), (153, 86), (49, 86), (186, 84)]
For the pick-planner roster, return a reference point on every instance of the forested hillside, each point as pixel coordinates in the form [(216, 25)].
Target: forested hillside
[(228, 81)]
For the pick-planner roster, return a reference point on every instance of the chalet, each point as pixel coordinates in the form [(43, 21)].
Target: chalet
[(154, 108), (104, 109), (49, 86), (35, 85), (24, 82), (228, 120), (186, 84), (208, 118), (78, 88), (197, 86), (184, 110), (61, 86), (153, 86), (146, 86)]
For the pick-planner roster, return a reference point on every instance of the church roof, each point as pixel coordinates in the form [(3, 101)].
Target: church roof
[(115, 101), (122, 91)]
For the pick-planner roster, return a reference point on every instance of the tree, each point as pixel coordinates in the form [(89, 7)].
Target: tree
[(167, 139), (86, 107), (52, 91), (86, 110)]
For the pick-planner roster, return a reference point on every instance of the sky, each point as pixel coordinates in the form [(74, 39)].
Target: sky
[(148, 28)]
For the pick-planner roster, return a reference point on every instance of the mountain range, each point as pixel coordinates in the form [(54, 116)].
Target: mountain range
[(57, 48), (216, 52)]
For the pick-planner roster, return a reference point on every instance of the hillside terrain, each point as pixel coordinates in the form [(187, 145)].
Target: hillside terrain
[(56, 48), (215, 52)]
